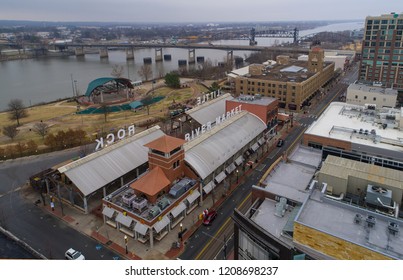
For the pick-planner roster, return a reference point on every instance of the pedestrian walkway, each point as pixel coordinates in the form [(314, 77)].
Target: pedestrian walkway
[(93, 226)]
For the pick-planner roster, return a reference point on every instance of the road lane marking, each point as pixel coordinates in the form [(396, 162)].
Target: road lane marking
[(221, 228)]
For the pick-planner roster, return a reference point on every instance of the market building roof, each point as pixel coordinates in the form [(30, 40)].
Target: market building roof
[(210, 150), (208, 111), (100, 168)]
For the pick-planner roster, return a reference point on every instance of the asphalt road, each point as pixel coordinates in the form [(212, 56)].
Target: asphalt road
[(45, 233)]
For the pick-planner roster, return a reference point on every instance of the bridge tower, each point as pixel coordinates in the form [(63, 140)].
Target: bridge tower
[(296, 36), (158, 54), (252, 34), (230, 57), (192, 56)]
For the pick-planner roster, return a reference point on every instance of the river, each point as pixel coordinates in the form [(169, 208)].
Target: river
[(49, 79)]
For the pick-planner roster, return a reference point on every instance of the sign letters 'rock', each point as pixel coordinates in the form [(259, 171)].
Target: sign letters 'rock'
[(110, 138)]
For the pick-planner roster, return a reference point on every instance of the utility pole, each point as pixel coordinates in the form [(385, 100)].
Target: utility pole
[(72, 85)]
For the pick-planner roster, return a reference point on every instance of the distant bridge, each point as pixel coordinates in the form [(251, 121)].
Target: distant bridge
[(79, 48)]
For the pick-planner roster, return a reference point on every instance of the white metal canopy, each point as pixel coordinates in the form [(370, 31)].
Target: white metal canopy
[(192, 197), (178, 209), (140, 228), (100, 168), (209, 187), (212, 149), (161, 224)]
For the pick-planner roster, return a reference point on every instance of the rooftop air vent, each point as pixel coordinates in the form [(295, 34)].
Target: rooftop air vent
[(370, 221), (393, 228), (358, 218)]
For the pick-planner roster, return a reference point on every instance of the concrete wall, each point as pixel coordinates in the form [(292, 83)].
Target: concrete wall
[(361, 97)]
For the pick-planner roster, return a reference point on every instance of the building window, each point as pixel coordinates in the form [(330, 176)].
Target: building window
[(356, 97), (176, 164), (374, 98), (365, 98)]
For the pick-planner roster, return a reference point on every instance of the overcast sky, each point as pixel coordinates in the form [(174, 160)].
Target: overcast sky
[(194, 10)]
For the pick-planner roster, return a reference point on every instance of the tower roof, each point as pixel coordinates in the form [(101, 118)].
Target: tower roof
[(151, 183), (165, 143)]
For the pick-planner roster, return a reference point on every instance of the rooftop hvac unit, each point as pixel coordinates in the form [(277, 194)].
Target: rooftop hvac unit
[(281, 207), (378, 196)]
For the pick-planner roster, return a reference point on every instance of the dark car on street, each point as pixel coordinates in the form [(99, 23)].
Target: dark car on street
[(280, 143)]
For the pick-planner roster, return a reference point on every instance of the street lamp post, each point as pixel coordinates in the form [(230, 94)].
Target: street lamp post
[(181, 231), (125, 237), (237, 176)]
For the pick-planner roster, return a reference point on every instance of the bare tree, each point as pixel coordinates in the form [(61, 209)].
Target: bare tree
[(117, 71), (145, 71), (41, 128), (17, 110), (10, 131)]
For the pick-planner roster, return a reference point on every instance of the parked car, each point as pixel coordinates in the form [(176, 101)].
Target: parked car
[(209, 218), (72, 254), (280, 143)]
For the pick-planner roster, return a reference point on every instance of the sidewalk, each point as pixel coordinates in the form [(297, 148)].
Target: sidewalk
[(93, 226)]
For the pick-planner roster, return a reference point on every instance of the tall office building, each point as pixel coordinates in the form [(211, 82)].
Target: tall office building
[(382, 51)]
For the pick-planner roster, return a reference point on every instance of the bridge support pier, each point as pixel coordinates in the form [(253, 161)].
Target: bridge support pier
[(79, 51), (158, 54), (129, 54), (192, 56), (103, 53)]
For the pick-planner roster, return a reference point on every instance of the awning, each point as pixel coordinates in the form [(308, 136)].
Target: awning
[(255, 147), (239, 160), (209, 187), (221, 176), (178, 209), (261, 141), (124, 220), (230, 168), (161, 224), (140, 228), (107, 211), (193, 196)]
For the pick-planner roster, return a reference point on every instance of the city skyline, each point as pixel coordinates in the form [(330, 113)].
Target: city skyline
[(179, 11)]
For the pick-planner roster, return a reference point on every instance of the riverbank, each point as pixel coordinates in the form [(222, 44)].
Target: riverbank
[(61, 116)]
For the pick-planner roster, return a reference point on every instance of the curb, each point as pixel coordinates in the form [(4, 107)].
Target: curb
[(22, 244)]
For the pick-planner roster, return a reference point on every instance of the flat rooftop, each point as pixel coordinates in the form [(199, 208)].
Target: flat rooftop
[(295, 71), (353, 123), (258, 100), (337, 219), (300, 169), (369, 88), (275, 225)]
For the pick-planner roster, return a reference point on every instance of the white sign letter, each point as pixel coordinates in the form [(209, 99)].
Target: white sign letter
[(131, 130), (110, 138), (121, 134), (100, 144)]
